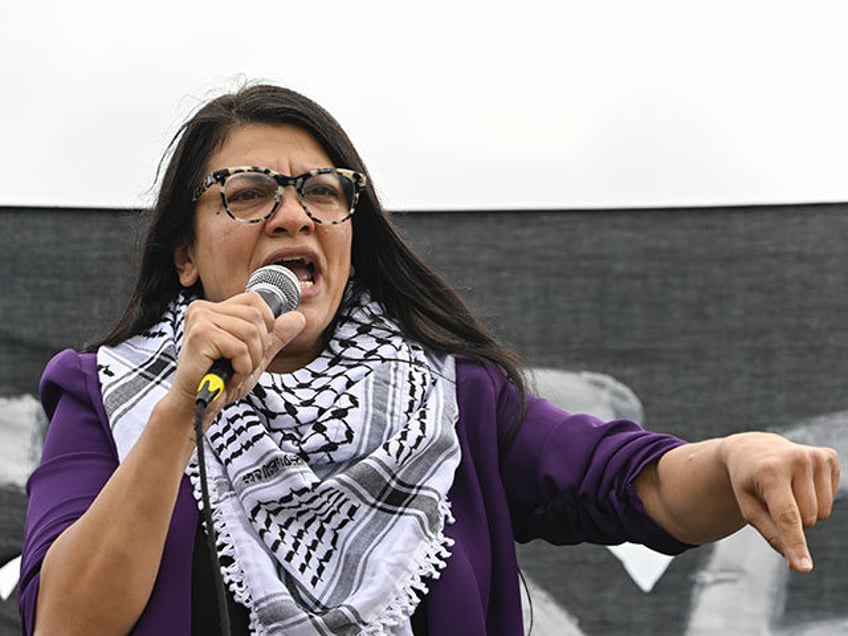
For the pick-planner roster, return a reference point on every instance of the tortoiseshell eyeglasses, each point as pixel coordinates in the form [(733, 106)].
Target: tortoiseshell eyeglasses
[(251, 194)]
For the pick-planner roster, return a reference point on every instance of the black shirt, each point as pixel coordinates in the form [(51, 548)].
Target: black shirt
[(204, 604)]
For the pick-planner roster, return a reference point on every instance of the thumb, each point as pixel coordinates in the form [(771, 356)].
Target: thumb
[(286, 328)]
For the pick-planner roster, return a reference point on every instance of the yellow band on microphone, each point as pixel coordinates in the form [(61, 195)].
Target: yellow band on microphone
[(212, 385)]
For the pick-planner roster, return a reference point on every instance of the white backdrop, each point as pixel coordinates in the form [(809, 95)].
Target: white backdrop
[(453, 104)]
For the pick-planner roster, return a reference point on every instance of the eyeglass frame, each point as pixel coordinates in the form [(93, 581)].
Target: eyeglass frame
[(358, 179)]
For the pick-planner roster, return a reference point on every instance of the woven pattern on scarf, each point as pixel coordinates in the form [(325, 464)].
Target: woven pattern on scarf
[(328, 485)]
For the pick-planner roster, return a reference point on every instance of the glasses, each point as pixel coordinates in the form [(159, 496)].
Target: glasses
[(252, 195)]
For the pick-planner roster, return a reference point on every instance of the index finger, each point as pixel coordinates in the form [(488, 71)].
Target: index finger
[(786, 517)]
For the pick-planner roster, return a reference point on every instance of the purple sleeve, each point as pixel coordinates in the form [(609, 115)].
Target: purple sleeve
[(569, 477), (78, 458)]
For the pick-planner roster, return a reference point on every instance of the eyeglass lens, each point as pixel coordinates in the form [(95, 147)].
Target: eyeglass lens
[(253, 195)]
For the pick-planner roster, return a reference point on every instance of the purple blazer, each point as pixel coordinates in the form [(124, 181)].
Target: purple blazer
[(566, 479)]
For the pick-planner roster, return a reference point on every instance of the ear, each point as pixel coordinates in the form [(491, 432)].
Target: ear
[(186, 265)]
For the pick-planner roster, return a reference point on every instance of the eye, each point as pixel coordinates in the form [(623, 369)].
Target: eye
[(245, 195), (250, 194), (249, 187), (325, 187), (322, 189)]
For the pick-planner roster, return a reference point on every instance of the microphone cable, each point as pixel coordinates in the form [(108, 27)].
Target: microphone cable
[(205, 396), (279, 287)]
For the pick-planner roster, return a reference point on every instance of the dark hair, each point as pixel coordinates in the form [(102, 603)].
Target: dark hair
[(421, 301)]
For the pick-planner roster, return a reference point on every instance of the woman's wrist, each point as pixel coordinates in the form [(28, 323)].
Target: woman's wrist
[(174, 416)]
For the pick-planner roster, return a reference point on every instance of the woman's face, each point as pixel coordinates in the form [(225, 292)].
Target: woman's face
[(225, 252)]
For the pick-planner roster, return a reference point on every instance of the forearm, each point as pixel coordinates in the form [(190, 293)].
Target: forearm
[(98, 574), (688, 492)]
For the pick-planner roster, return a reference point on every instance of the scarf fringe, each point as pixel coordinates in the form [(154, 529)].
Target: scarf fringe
[(430, 565), (369, 382), (399, 610), (224, 544)]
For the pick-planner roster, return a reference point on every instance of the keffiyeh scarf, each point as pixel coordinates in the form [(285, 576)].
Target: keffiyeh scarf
[(328, 485)]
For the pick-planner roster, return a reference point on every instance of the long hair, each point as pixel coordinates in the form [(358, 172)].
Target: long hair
[(419, 299)]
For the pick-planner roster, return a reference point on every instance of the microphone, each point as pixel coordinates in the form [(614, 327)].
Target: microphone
[(280, 289)]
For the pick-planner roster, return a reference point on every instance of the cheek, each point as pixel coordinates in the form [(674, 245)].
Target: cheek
[(223, 248), (338, 249), (222, 238)]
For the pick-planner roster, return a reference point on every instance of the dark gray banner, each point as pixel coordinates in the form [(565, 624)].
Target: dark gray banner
[(697, 321)]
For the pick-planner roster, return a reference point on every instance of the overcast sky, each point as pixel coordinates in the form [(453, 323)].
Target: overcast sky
[(491, 104)]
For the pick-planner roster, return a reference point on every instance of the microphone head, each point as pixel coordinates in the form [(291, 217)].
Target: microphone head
[(278, 286)]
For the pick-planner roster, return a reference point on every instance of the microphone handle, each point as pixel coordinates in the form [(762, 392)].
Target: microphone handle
[(212, 384)]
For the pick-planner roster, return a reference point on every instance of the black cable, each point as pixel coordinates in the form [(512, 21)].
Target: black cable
[(203, 399)]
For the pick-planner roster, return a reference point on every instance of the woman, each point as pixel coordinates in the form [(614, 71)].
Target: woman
[(374, 455)]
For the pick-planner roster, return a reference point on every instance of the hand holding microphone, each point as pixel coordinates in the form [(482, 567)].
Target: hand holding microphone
[(280, 289)]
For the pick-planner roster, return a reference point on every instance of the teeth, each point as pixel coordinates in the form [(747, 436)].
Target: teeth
[(296, 259), (304, 269)]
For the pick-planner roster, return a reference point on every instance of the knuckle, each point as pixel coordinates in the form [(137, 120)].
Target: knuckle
[(196, 311), (243, 350), (256, 315), (771, 467), (788, 518), (190, 311), (832, 461), (799, 459)]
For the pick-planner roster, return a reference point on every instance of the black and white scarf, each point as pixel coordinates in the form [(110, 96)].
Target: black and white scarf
[(329, 484)]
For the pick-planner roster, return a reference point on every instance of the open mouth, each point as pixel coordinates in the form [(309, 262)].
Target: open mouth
[(303, 269)]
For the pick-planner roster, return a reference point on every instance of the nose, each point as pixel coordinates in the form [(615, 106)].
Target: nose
[(289, 217)]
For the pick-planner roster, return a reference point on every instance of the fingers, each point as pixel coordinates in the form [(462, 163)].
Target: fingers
[(286, 327), (826, 482), (792, 491), (238, 329), (779, 522), (788, 519)]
